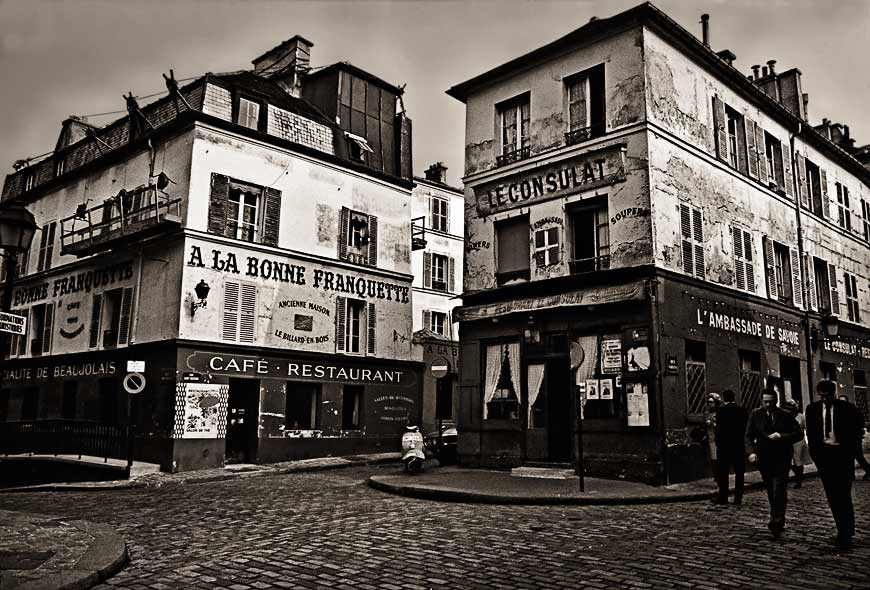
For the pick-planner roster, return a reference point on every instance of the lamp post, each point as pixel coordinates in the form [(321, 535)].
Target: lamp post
[(17, 227)]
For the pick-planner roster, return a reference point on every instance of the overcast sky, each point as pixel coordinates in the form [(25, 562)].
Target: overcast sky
[(59, 58)]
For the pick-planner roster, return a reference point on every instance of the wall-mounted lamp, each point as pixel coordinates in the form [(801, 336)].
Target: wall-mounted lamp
[(831, 325), (201, 290), (532, 334)]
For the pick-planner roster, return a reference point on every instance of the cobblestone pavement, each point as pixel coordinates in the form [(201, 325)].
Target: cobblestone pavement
[(329, 530)]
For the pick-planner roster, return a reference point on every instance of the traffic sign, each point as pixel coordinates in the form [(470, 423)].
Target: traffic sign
[(134, 383), (440, 367), (13, 323), (135, 366)]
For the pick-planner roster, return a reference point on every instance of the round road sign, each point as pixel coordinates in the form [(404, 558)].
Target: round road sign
[(440, 367), (134, 382)]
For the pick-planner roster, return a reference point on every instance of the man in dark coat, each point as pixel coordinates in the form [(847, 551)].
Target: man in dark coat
[(730, 450), (834, 430), (770, 434)]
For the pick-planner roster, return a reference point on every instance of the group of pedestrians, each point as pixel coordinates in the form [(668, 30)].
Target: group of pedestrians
[(779, 440)]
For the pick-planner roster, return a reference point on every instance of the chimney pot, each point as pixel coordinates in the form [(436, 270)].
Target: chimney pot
[(770, 64), (437, 172), (764, 71), (755, 71), (705, 29)]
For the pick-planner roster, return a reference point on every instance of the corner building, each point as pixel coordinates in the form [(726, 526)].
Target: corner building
[(248, 238), (646, 224)]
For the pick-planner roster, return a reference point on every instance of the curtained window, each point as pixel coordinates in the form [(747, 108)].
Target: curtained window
[(501, 399)]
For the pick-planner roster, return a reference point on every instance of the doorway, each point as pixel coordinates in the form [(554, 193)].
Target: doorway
[(790, 371), (243, 409), (558, 384)]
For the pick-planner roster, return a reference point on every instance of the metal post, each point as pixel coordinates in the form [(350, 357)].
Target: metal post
[(11, 262), (578, 436), (130, 440)]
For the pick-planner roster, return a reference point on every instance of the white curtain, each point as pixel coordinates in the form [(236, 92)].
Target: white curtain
[(514, 360), (586, 370), (535, 378), (493, 368)]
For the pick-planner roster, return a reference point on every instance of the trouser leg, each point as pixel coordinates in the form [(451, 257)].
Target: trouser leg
[(724, 467), (838, 492), (739, 469)]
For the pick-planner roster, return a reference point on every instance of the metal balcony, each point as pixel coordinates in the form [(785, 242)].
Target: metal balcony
[(581, 265), (128, 217), (514, 156), (584, 134)]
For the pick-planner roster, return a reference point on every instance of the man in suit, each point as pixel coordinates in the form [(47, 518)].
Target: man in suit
[(834, 432), (730, 431), (770, 434)]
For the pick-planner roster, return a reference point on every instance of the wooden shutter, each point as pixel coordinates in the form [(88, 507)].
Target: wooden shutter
[(719, 129), (451, 274), (271, 217), (343, 229), (230, 325), (43, 241), (340, 319), (686, 231), (427, 270), (813, 297), (761, 148), (769, 267), (427, 319), (826, 204), (373, 241), (218, 204), (835, 293), (802, 180), (753, 148), (96, 312), (22, 340), (787, 172), (49, 247), (739, 267), (248, 313), (126, 314), (48, 327), (747, 258), (371, 320), (740, 132), (698, 230), (796, 285)]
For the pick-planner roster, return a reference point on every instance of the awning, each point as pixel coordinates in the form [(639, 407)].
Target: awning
[(634, 291)]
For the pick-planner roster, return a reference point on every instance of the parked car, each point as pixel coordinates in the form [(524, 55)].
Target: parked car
[(445, 449)]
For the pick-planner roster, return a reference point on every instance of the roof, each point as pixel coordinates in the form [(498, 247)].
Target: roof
[(349, 67), (273, 93)]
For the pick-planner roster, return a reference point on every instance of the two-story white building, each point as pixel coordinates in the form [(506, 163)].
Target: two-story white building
[(654, 225)]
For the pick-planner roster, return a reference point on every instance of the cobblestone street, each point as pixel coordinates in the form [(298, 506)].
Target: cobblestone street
[(329, 530)]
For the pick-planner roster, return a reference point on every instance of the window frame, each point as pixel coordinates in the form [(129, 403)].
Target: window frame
[(520, 106), (542, 253), (262, 107), (598, 212), (523, 271), (439, 214), (440, 263), (46, 246), (355, 315), (773, 156), (434, 318), (356, 416), (853, 310), (783, 272), (239, 225), (844, 213), (314, 390)]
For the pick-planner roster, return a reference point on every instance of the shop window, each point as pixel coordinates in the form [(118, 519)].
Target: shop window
[(600, 374), (827, 295), (70, 400), (358, 242), (244, 211), (547, 246), (865, 216), (590, 229), (744, 269), (844, 213), (512, 243), (692, 232), (444, 398), (355, 326), (696, 377), (854, 312), (248, 113), (303, 402), (351, 407), (537, 401), (502, 383), (828, 371), (773, 158), (46, 246), (42, 325), (750, 378), (439, 272), (111, 313), (439, 214), (30, 404), (107, 391), (4, 405), (860, 380), (585, 97)]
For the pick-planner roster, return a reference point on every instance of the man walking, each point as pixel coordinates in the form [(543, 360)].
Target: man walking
[(834, 432), (770, 434), (730, 431)]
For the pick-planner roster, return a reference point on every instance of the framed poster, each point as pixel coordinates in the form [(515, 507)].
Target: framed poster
[(592, 389), (611, 354), (638, 404), (605, 388)]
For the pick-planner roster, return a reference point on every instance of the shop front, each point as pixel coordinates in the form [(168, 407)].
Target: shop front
[(844, 358)]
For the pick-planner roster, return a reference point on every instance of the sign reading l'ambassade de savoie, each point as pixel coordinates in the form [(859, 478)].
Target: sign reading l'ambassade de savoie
[(585, 172)]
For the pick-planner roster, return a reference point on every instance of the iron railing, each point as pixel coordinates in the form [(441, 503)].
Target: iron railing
[(514, 156), (584, 133), (590, 264), (64, 437)]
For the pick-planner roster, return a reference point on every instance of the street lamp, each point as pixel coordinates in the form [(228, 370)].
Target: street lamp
[(17, 226)]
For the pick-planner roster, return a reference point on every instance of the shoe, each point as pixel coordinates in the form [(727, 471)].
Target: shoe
[(775, 530), (718, 502)]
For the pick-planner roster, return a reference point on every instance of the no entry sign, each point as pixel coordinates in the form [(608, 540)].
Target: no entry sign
[(134, 383)]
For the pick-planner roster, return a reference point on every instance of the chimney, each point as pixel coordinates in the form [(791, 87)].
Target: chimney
[(770, 64), (72, 130), (764, 71), (437, 172), (705, 29), (286, 64), (755, 72), (791, 95), (727, 56)]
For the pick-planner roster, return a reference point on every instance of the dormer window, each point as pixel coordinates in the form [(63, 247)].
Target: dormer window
[(29, 181), (358, 147), (249, 113)]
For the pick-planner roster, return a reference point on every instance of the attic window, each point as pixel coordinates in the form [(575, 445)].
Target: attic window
[(249, 113), (358, 146)]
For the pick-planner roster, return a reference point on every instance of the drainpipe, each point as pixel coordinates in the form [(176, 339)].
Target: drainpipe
[(804, 266), (659, 381)]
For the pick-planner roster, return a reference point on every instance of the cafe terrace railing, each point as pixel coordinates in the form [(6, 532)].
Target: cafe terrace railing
[(64, 437)]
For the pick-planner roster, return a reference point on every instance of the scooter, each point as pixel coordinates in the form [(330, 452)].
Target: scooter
[(412, 450)]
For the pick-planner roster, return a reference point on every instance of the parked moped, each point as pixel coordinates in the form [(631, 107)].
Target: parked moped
[(412, 450)]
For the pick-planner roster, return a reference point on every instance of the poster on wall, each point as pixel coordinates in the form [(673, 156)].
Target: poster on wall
[(638, 404), (611, 354), (592, 389), (605, 388), (200, 410), (637, 358)]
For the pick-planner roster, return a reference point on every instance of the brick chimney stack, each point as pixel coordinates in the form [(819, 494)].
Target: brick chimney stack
[(286, 64), (437, 172)]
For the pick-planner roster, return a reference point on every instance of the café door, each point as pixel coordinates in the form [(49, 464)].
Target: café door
[(243, 414)]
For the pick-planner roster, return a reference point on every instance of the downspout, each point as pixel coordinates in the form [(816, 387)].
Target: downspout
[(803, 262), (659, 381)]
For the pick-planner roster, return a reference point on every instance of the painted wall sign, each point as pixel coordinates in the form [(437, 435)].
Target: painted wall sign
[(630, 212), (589, 171), (60, 371), (749, 327), (83, 282), (847, 348), (200, 410), (393, 408)]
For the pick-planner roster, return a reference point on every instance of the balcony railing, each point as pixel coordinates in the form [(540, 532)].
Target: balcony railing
[(590, 264), (584, 133), (64, 437), (134, 215), (514, 156), (505, 277), (418, 233)]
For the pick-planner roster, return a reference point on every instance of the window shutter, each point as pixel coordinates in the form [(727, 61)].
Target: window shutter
[(43, 240), (753, 148), (787, 172), (769, 267), (796, 287), (747, 257), (741, 146), (427, 270), (451, 274), (811, 283), (96, 312), (49, 248), (445, 205), (22, 340), (126, 308), (217, 205), (698, 229), (343, 229), (764, 175), (686, 231), (802, 180), (271, 217), (835, 293), (340, 318), (427, 319), (230, 327), (719, 129), (248, 313), (48, 327), (739, 268), (371, 320), (373, 240), (826, 204)]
